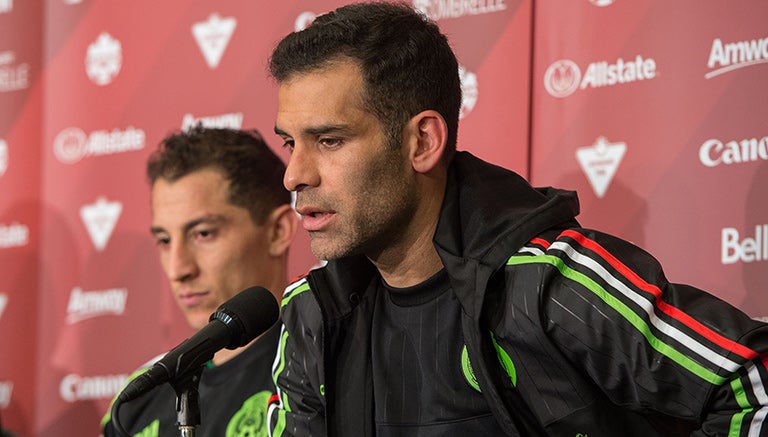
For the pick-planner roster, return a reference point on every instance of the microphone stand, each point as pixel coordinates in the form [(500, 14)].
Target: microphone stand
[(188, 402)]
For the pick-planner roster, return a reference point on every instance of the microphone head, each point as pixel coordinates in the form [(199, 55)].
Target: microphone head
[(248, 314)]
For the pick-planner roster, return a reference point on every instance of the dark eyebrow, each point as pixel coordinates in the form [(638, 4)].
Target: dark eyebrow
[(206, 219), (318, 130)]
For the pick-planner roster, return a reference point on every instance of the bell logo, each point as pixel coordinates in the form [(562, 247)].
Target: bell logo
[(100, 218), (3, 156), (562, 78), (468, 91), (599, 162), (103, 59), (213, 36)]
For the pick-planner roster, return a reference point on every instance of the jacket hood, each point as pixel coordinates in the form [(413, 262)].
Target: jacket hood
[(489, 212)]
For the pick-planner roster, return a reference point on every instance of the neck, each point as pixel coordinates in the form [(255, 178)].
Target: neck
[(414, 259)]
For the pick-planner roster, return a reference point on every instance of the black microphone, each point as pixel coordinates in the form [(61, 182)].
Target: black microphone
[(234, 324)]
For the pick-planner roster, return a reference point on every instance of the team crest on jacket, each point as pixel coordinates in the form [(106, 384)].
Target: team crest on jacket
[(251, 419)]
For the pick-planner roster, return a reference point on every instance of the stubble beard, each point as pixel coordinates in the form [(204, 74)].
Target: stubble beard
[(386, 203)]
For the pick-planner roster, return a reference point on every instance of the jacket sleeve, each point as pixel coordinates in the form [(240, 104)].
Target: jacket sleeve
[(298, 408), (652, 346)]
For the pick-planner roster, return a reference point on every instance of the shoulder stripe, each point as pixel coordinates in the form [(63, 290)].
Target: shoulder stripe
[(294, 290)]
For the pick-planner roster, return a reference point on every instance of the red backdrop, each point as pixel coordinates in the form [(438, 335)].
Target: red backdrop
[(653, 111)]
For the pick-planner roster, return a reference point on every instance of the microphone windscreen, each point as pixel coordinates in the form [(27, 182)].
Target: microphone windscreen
[(253, 310)]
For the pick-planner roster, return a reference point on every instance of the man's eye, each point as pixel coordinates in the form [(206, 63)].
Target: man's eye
[(288, 144), (331, 143), (162, 241), (204, 234)]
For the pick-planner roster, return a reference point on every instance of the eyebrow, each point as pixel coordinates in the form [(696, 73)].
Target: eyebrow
[(206, 219), (318, 130)]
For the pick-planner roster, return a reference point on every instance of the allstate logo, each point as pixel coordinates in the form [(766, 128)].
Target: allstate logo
[(562, 78), (70, 145)]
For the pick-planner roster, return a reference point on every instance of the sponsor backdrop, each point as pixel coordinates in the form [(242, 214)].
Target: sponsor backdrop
[(653, 111), (87, 90)]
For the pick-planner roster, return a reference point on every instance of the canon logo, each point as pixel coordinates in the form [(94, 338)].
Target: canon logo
[(79, 388), (747, 250), (714, 152)]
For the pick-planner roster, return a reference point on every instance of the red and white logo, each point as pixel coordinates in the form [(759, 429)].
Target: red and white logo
[(599, 162), (72, 144), (3, 303), (13, 235), (231, 120), (469, 91), (12, 77), (726, 57), (100, 218), (438, 9), (304, 20), (6, 390), (74, 387), (714, 152), (89, 304), (3, 156), (212, 36), (104, 59), (747, 249), (562, 78), (6, 6)]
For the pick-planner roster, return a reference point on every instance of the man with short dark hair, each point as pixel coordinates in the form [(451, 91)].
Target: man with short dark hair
[(457, 299), (223, 223)]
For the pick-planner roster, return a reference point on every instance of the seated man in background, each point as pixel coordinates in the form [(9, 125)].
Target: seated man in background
[(223, 222)]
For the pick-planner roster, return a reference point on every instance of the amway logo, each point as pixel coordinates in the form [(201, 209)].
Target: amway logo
[(6, 389), (600, 161), (80, 388), (714, 152), (748, 250), (100, 218), (439, 9), (732, 56), (469, 91), (232, 120), (563, 77), (72, 144), (104, 59), (89, 304), (213, 36)]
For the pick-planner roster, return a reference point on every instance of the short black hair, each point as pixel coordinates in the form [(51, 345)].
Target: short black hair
[(254, 171), (407, 64)]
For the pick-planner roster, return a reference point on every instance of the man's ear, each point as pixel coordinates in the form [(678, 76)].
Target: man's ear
[(428, 134), (282, 223)]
